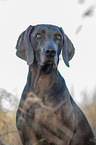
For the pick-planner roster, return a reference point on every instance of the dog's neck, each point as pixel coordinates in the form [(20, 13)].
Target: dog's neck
[(41, 79), (50, 87)]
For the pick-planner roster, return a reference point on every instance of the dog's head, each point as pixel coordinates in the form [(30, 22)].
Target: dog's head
[(43, 44)]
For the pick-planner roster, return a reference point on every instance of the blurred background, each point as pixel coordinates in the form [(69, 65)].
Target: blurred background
[(78, 20)]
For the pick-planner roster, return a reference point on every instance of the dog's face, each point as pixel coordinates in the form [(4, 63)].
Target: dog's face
[(43, 44), (47, 42)]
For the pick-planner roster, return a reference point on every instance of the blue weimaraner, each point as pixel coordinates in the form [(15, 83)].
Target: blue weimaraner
[(47, 114)]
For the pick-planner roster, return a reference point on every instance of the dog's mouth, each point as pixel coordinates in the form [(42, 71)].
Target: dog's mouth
[(48, 66)]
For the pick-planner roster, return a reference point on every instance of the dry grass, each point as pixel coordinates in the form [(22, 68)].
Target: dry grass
[(90, 112), (8, 132)]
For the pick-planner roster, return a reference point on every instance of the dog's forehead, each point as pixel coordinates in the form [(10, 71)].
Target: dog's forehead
[(47, 28)]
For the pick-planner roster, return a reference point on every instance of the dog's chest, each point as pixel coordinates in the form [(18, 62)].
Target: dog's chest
[(49, 89)]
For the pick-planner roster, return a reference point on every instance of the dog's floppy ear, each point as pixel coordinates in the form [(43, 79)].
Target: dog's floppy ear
[(68, 48), (24, 47)]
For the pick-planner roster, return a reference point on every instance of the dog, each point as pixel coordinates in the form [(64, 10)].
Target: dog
[(47, 114)]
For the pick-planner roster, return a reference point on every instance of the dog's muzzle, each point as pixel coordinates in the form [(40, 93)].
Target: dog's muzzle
[(50, 51), (49, 57)]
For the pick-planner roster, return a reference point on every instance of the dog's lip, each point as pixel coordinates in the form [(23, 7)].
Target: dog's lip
[(49, 62), (48, 66)]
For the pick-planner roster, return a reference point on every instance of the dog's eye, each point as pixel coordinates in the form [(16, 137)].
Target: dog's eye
[(38, 35), (58, 37)]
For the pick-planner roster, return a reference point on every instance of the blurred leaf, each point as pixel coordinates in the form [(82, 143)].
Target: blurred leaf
[(89, 12), (81, 1), (40, 141), (79, 29)]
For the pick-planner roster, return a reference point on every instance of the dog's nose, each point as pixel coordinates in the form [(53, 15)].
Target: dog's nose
[(50, 51)]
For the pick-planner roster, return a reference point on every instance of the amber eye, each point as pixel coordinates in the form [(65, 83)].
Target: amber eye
[(58, 37), (38, 35)]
